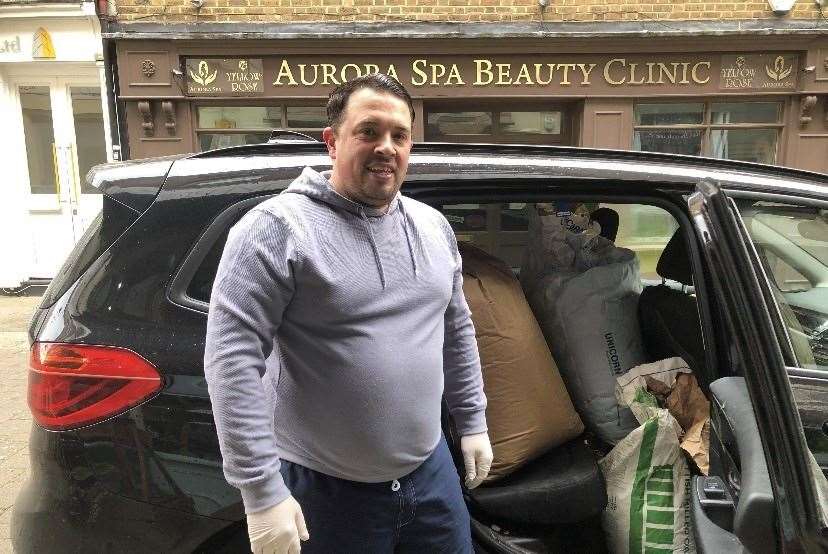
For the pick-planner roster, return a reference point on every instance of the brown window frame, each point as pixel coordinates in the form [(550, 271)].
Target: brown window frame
[(283, 104), (706, 126), (495, 108)]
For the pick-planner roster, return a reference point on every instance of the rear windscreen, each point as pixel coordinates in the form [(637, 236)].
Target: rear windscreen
[(202, 284), (102, 232)]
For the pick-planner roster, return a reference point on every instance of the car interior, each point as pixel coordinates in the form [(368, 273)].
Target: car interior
[(554, 503)]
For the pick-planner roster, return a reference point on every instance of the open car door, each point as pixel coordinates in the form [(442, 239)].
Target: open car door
[(760, 494)]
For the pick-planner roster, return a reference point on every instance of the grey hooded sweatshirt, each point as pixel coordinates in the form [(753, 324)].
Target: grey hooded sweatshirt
[(333, 332)]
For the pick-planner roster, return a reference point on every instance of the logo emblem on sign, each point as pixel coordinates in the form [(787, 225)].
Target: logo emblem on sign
[(204, 76), (242, 65), (778, 71)]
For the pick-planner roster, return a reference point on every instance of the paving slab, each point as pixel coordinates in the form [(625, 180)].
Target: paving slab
[(15, 419)]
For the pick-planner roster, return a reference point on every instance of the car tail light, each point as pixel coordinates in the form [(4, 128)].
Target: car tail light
[(72, 385)]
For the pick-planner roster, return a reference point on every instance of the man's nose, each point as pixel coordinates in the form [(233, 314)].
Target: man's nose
[(385, 145)]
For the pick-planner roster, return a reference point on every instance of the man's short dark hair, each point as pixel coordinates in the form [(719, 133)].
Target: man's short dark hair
[(379, 82)]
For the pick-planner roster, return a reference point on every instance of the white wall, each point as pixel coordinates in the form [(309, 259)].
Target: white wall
[(27, 236)]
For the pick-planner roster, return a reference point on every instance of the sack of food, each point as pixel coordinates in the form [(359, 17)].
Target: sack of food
[(648, 487), (529, 410), (584, 292)]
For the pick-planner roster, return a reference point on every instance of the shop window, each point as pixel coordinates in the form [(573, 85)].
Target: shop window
[(543, 123), (443, 124), (496, 125), (746, 131), (221, 126), (239, 117), (307, 117), (670, 114)]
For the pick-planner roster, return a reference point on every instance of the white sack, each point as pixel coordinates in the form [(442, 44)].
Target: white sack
[(584, 292), (664, 371), (648, 490)]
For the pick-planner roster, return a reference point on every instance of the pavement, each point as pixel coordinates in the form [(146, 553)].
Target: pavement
[(15, 419)]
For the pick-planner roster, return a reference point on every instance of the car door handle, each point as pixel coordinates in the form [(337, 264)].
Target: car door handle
[(709, 535), (715, 500)]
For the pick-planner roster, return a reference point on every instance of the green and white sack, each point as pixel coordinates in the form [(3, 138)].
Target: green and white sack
[(648, 488)]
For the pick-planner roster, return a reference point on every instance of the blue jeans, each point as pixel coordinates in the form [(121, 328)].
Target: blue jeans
[(422, 512)]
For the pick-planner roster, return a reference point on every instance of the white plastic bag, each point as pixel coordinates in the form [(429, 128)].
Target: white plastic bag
[(665, 371)]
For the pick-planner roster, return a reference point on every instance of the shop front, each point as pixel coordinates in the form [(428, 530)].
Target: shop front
[(754, 99), (55, 125)]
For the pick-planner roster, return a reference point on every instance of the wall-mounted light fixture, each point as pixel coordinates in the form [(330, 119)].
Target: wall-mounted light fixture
[(781, 7)]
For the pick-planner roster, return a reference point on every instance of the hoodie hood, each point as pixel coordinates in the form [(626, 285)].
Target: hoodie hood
[(316, 185)]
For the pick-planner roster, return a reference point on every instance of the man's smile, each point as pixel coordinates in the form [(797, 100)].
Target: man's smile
[(381, 169)]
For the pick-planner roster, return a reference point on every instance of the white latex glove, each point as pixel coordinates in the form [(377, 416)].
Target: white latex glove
[(278, 529), (477, 457)]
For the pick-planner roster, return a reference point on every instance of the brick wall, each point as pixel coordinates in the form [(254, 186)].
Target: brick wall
[(284, 11)]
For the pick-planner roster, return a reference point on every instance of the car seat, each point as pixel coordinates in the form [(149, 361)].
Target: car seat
[(562, 486), (669, 315)]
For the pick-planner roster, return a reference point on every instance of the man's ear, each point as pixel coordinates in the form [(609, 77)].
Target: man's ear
[(329, 138)]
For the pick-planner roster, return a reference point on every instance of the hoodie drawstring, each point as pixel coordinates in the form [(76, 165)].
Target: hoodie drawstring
[(408, 236), (374, 246)]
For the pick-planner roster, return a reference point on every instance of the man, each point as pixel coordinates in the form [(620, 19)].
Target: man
[(347, 298)]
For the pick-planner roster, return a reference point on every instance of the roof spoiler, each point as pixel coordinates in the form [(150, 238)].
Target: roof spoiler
[(132, 183)]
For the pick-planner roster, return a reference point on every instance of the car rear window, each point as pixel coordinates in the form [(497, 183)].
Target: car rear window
[(202, 284), (192, 285), (110, 224)]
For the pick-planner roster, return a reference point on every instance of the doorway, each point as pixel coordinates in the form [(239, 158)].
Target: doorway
[(62, 120)]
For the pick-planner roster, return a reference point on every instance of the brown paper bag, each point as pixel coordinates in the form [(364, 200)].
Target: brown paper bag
[(687, 403), (529, 410)]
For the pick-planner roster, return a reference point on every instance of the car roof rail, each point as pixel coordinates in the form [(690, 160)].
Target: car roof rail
[(286, 135)]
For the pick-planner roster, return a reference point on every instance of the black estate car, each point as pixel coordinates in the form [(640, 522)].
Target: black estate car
[(734, 266)]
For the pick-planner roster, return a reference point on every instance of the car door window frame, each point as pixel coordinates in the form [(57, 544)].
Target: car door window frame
[(799, 481), (782, 331), (177, 291)]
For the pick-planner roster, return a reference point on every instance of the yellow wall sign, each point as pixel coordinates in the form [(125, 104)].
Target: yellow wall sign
[(42, 47)]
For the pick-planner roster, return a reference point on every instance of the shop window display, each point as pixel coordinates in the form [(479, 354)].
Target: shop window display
[(495, 125), (222, 126), (746, 131)]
